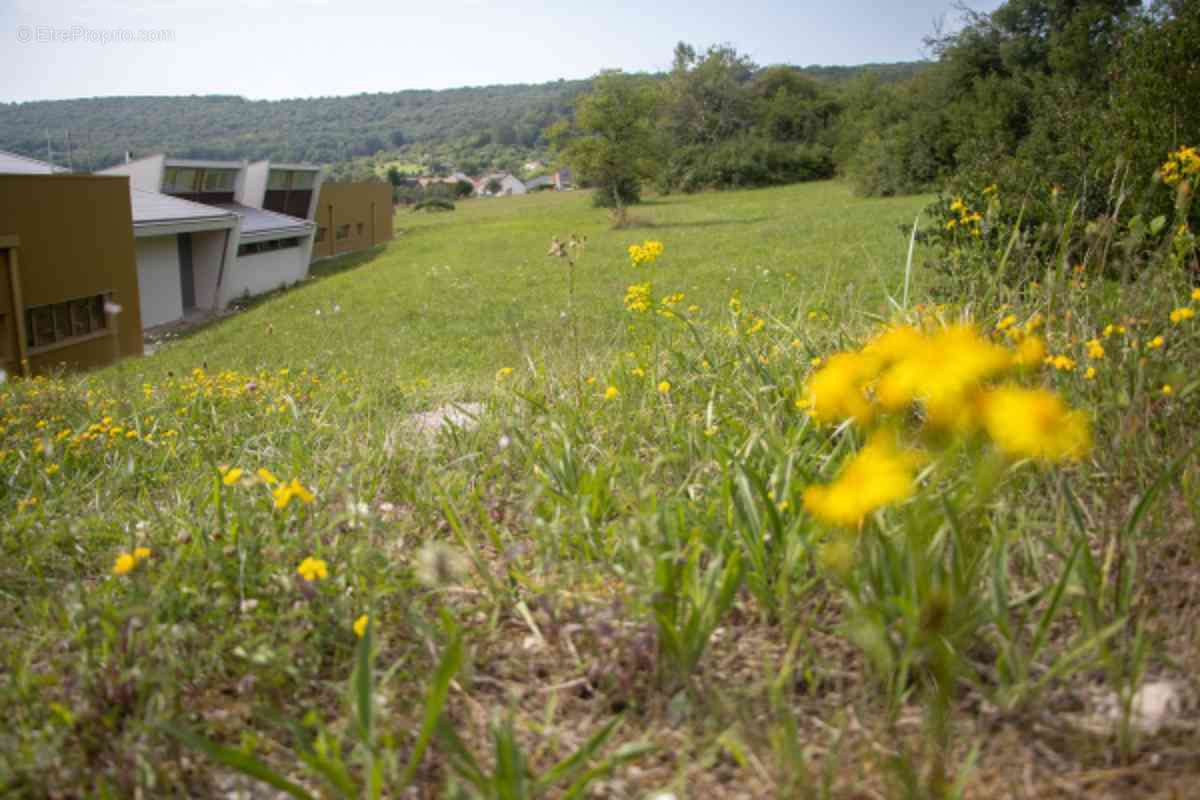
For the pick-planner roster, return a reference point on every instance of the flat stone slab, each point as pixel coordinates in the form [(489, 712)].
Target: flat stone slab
[(464, 416)]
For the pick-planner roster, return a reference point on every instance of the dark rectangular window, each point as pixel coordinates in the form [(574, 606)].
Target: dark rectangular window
[(360, 229), (343, 232), (63, 322)]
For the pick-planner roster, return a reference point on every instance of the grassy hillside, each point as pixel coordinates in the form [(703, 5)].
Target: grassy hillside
[(461, 294), (656, 557)]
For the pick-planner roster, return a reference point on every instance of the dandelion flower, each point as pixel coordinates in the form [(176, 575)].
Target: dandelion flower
[(878, 475), (360, 625), (266, 476), (142, 553), (1095, 350), (1167, 389), (611, 393), (664, 387), (231, 476), (124, 564), (312, 569), (1090, 374), (1196, 295), (1156, 343), (1035, 423), (503, 373), (1181, 314)]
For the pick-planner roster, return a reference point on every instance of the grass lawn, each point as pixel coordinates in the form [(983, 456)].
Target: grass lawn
[(658, 560), (459, 295)]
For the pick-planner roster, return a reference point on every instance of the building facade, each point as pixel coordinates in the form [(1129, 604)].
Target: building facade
[(230, 229), (69, 294), (352, 216)]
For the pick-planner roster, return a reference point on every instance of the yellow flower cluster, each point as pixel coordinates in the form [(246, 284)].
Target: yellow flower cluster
[(312, 569), (947, 374), (639, 298), (1183, 163), (127, 562), (967, 219), (878, 475), (284, 493), (645, 253), (1181, 314)]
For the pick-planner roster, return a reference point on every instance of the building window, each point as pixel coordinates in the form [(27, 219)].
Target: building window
[(266, 247), (360, 229), (302, 181), (320, 235), (343, 232), (60, 323), (218, 180)]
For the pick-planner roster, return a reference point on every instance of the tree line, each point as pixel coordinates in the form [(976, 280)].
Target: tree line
[(1072, 94)]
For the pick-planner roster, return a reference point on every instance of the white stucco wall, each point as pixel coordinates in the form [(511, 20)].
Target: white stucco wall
[(265, 272), (207, 250), (252, 184), (145, 173), (158, 280)]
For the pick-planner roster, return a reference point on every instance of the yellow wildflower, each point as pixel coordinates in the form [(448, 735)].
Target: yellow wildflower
[(611, 393), (1196, 295), (141, 553), (312, 569), (1007, 322), (1095, 350), (360, 625), (1061, 363), (838, 390), (1035, 423), (503, 373), (124, 564), (664, 387), (1167, 389), (1031, 352), (266, 476), (1181, 314), (878, 475), (1155, 343), (1090, 374), (285, 492), (638, 298), (230, 476)]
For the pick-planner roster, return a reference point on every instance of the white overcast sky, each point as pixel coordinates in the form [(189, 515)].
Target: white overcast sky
[(303, 48)]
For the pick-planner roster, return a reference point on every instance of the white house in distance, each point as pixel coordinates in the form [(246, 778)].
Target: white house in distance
[(207, 232), (509, 185)]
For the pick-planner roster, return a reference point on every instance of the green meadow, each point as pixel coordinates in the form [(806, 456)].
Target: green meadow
[(475, 515), (459, 295)]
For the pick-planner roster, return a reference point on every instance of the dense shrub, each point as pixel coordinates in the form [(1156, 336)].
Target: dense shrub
[(434, 204), (747, 161)]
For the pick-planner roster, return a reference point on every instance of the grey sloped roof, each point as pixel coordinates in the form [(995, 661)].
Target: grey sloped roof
[(260, 221), (13, 164), (156, 208)]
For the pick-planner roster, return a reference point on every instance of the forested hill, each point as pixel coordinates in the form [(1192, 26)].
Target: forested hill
[(318, 129)]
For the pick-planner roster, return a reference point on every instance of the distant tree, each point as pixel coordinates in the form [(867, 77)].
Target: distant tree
[(493, 186), (612, 143), (463, 188), (398, 139), (395, 178)]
